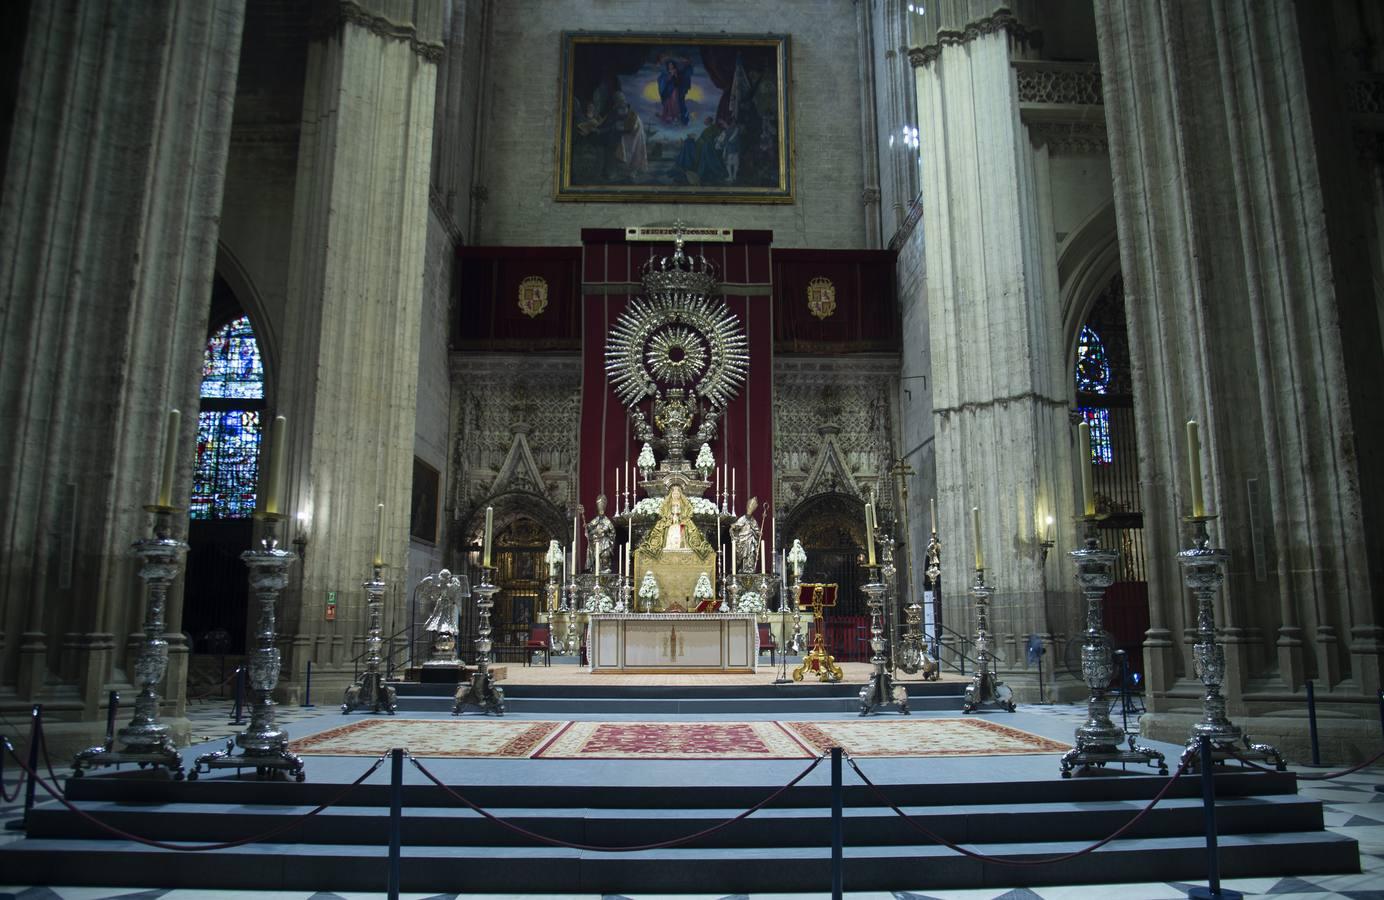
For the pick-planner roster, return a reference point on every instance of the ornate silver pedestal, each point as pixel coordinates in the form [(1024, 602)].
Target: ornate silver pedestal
[(370, 690), (146, 739), (985, 688), (914, 655), (1098, 739), (1203, 570), (881, 690), (482, 692), (264, 747)]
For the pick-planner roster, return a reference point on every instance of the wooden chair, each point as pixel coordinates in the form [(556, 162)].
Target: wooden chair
[(540, 641), (766, 642)]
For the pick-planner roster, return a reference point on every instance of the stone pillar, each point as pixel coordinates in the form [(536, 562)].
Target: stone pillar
[(108, 227), (1000, 395), (356, 287), (1238, 285)]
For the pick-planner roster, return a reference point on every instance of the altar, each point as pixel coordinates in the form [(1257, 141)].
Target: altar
[(674, 643)]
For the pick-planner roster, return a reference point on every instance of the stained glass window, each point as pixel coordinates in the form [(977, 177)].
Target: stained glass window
[(231, 365), (1093, 377), (226, 475)]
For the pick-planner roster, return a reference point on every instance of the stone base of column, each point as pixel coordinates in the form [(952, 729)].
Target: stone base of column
[(1342, 742)]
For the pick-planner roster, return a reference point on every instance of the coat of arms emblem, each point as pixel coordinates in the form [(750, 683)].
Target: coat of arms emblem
[(821, 297), (533, 296)]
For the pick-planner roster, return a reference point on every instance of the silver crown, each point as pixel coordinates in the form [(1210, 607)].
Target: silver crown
[(678, 273)]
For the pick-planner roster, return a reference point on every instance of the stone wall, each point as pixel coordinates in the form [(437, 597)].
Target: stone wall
[(518, 166)]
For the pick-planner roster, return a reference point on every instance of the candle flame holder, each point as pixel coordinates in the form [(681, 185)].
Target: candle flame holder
[(1098, 739), (146, 740), (263, 745), (985, 688), (1203, 568), (370, 690), (482, 692)]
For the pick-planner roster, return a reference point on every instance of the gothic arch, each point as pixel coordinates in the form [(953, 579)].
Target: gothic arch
[(230, 270), (509, 507), (1090, 258)]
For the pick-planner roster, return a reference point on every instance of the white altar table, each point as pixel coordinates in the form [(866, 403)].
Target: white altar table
[(673, 642)]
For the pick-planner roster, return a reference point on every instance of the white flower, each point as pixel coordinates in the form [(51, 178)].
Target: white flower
[(554, 557), (646, 458), (652, 506), (703, 589), (599, 603), (797, 556), (751, 602), (648, 588), (705, 460)]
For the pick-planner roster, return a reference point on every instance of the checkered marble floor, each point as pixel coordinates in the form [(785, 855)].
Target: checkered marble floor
[(1352, 807)]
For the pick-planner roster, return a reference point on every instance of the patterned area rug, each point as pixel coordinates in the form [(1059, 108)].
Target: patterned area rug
[(922, 737), (674, 740), (430, 738)]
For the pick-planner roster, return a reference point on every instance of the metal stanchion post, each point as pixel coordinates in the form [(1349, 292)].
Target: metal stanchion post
[(307, 688), (1208, 804), (396, 805), (836, 879), (238, 715), (1312, 724), (35, 735), (112, 707)]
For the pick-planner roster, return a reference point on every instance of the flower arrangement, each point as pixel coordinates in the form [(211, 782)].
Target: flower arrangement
[(797, 556), (648, 588), (554, 557), (705, 461), (599, 602), (751, 602), (652, 506), (703, 589), (646, 458)]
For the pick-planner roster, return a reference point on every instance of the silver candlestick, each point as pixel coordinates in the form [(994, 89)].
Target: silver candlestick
[(1203, 570), (370, 690), (881, 690), (146, 739), (1098, 739), (482, 692), (263, 745), (984, 687)]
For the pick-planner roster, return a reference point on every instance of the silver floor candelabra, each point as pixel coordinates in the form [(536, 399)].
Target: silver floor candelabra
[(369, 690), (1203, 568), (985, 688), (263, 745), (881, 690), (1098, 739), (482, 692), (146, 739)]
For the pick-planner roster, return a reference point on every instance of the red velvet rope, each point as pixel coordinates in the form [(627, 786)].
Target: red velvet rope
[(1302, 776), (1049, 860), (675, 842), (197, 848)]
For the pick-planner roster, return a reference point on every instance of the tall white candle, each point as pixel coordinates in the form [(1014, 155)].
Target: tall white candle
[(1194, 468), (932, 504), (1083, 449), (617, 490), (761, 556), (733, 561), (278, 454), (870, 534), (170, 457), (576, 541), (379, 534), (489, 533), (975, 530)]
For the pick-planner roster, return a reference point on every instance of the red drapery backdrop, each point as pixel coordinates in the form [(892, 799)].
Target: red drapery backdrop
[(610, 277)]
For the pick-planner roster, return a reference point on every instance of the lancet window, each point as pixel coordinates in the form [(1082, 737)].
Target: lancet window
[(1093, 377), (226, 476)]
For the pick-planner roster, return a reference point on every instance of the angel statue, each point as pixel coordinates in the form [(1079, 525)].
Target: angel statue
[(744, 537), (600, 540), (443, 592)]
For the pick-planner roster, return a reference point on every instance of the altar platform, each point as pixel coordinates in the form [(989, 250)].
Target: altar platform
[(1007, 806)]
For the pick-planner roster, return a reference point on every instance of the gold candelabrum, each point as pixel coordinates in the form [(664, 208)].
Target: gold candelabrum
[(818, 660)]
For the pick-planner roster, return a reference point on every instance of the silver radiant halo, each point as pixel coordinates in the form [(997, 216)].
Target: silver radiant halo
[(675, 355), (629, 360)]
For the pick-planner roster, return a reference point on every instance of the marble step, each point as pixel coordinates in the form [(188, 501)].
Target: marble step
[(363, 867)]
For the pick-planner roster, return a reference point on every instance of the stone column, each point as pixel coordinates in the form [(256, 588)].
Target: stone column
[(356, 287), (108, 228), (1238, 284), (1000, 396)]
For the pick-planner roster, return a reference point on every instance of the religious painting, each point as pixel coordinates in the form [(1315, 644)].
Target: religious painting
[(424, 508), (675, 117)]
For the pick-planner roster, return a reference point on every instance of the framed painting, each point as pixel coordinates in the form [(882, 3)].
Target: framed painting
[(675, 117), (423, 509)]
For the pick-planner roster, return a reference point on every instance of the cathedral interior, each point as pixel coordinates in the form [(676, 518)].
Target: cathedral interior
[(965, 274)]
